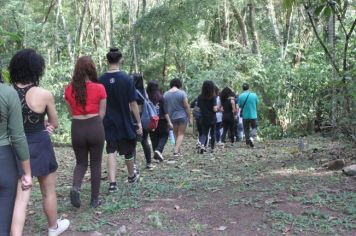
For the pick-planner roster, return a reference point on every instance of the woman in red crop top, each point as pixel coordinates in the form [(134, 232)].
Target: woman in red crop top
[(86, 100)]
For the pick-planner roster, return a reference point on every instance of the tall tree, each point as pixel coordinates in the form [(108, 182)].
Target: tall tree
[(241, 22), (252, 24)]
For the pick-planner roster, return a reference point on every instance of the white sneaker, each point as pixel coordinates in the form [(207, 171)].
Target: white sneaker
[(62, 225), (158, 156), (220, 144)]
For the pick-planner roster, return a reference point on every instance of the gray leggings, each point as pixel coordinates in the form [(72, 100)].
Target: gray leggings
[(8, 186)]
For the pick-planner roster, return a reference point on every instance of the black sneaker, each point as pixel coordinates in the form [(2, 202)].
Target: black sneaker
[(75, 198), (94, 203), (158, 156), (202, 150), (134, 179), (112, 187)]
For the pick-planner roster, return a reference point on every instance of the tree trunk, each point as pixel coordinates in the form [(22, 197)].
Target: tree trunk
[(331, 40), (226, 22), (80, 28), (105, 23), (241, 23), (164, 69), (303, 41), (287, 29), (144, 4), (111, 23), (272, 17), (52, 4), (66, 32), (132, 7), (252, 22)]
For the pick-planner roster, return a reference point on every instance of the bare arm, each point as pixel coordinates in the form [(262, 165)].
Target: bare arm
[(169, 122), (102, 108), (51, 111), (136, 113), (233, 104), (26, 179), (187, 107), (18, 140), (215, 108)]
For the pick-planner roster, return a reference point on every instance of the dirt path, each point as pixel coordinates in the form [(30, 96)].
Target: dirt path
[(270, 190)]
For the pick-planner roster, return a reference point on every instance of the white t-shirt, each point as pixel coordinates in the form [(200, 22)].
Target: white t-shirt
[(218, 114)]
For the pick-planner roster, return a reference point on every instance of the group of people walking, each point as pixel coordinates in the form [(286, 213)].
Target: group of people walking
[(104, 110), (220, 114)]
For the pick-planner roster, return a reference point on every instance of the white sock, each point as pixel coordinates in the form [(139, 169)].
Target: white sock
[(53, 229)]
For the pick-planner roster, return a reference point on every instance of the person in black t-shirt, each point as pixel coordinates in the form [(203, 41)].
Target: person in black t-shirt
[(229, 113), (208, 109), (159, 136), (120, 130)]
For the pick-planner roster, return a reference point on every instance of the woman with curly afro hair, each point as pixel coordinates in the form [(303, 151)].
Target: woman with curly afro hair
[(26, 68), (86, 100)]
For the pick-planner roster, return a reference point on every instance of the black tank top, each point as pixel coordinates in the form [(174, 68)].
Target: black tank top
[(33, 121), (228, 112)]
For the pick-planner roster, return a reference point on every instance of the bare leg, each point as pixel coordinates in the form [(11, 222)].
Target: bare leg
[(175, 131), (130, 167), (112, 167), (19, 216), (49, 198), (180, 135)]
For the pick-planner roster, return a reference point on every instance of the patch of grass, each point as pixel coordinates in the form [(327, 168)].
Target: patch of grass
[(340, 201), (200, 205), (156, 220), (250, 201), (309, 221), (197, 227), (88, 221)]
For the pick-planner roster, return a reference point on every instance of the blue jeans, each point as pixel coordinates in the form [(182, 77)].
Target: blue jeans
[(8, 186), (218, 131), (238, 130)]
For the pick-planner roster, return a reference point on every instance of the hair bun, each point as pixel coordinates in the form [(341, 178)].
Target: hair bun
[(114, 50)]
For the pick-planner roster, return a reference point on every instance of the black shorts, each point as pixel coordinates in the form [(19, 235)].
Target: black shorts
[(123, 147), (42, 157)]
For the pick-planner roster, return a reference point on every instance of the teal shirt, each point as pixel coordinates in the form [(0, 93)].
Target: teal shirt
[(11, 124), (250, 108)]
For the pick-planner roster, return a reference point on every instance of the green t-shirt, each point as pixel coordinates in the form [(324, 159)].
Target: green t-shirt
[(11, 124), (250, 108)]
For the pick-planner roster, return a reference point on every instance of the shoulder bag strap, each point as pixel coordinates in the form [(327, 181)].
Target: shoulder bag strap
[(245, 101), (140, 94)]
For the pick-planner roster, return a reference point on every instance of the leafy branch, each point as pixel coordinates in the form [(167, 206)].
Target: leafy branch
[(326, 50)]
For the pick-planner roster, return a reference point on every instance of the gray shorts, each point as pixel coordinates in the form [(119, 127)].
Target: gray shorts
[(180, 121)]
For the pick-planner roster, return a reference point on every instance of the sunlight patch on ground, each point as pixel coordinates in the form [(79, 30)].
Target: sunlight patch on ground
[(298, 172)]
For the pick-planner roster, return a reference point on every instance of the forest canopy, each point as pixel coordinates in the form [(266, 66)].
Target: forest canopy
[(297, 55)]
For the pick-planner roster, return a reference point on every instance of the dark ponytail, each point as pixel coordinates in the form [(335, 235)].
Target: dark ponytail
[(114, 56)]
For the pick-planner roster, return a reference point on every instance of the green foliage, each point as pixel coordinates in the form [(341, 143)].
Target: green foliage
[(5, 75), (187, 39)]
